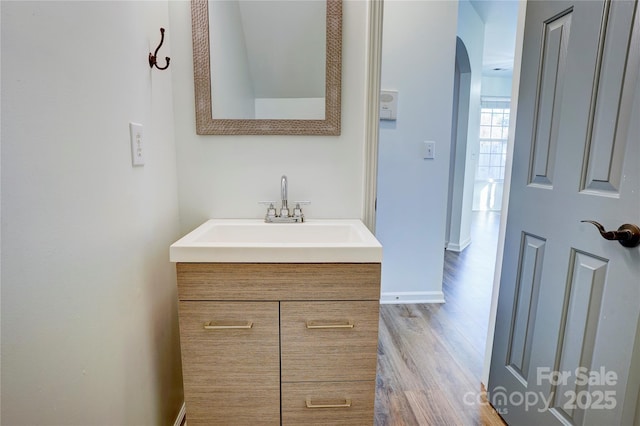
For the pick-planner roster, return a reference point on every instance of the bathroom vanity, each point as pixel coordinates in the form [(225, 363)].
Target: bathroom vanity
[(279, 323)]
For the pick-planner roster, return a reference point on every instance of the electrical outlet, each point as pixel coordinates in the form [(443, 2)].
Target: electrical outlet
[(137, 145)]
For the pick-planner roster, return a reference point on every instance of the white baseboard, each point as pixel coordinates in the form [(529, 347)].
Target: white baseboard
[(459, 247), (412, 297), (181, 414)]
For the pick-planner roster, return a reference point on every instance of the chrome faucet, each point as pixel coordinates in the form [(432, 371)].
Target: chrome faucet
[(285, 215), (284, 210)]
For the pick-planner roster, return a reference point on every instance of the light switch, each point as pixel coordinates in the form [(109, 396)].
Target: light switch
[(429, 150), (137, 146)]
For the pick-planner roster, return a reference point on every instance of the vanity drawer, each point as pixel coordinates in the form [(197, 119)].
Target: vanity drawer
[(230, 362), (278, 281), (329, 341), (329, 403)]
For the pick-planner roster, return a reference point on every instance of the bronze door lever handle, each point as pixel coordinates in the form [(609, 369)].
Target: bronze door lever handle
[(628, 234)]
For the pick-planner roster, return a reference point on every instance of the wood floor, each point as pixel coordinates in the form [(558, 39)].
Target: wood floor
[(430, 356)]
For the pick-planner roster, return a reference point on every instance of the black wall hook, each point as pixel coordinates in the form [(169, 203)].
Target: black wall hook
[(153, 57)]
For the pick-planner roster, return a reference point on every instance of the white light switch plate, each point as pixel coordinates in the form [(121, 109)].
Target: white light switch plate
[(137, 146), (429, 150)]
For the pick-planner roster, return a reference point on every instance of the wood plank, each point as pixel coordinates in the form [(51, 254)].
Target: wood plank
[(431, 408), (277, 281), (430, 355), (426, 376)]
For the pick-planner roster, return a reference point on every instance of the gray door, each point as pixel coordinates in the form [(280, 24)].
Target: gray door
[(567, 342)]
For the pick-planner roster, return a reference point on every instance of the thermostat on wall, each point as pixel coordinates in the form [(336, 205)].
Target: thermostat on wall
[(388, 104)]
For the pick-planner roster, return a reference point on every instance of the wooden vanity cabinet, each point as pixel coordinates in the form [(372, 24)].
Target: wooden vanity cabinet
[(279, 343)]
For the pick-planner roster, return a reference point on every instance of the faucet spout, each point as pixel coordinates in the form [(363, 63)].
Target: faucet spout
[(283, 192)]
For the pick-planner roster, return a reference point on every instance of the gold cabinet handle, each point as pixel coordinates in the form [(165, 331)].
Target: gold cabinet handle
[(224, 325), (346, 404), (329, 324)]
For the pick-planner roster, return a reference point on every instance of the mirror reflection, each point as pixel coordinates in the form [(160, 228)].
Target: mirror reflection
[(268, 59)]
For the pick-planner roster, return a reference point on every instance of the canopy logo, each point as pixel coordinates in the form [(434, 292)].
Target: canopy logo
[(581, 388)]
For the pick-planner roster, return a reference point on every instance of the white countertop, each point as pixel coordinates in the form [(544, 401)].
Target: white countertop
[(253, 240)]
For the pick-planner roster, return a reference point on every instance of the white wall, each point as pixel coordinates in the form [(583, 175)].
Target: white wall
[(470, 29), (418, 57), (226, 176), (496, 86), (89, 318), (290, 108)]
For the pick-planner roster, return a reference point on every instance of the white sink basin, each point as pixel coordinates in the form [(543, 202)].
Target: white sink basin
[(253, 240)]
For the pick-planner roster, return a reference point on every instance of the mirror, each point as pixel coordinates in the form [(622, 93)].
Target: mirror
[(267, 67)]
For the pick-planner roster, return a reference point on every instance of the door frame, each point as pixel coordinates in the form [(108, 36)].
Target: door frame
[(374, 63), (372, 113)]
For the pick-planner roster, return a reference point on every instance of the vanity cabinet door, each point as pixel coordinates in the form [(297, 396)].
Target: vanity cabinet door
[(329, 341), (328, 403), (230, 362)]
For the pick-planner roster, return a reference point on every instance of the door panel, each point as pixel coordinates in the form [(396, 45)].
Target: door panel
[(525, 304), (569, 302), (604, 150), (550, 83), (579, 324)]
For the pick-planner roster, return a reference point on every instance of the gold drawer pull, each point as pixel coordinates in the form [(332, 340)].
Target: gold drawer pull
[(346, 404), (329, 324), (224, 325)]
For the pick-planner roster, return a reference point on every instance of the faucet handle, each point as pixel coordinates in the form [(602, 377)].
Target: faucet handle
[(271, 210), (297, 211)]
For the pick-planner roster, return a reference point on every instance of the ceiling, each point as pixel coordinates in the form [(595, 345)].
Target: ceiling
[(500, 18)]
